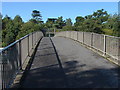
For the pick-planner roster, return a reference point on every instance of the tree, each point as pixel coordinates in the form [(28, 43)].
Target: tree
[(36, 16), (60, 22), (68, 25), (68, 22), (79, 23), (7, 29), (17, 21)]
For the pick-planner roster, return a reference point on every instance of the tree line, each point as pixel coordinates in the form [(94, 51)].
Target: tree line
[(99, 22)]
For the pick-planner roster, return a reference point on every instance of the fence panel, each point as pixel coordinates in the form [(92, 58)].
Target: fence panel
[(87, 38), (104, 43), (72, 34), (30, 42), (98, 41), (112, 46), (68, 34), (10, 65), (40, 34), (34, 39), (0, 70), (80, 37), (75, 35), (24, 49), (12, 57)]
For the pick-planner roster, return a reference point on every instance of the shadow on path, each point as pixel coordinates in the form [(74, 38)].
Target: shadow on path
[(46, 71)]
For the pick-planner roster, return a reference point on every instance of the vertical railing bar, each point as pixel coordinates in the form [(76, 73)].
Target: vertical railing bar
[(1, 71), (32, 40), (77, 35), (2, 74), (28, 46), (91, 39), (5, 78), (104, 45), (20, 55), (118, 50), (83, 37), (35, 38), (70, 34)]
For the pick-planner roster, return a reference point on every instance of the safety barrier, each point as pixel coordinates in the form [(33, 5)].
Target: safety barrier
[(109, 46), (14, 55)]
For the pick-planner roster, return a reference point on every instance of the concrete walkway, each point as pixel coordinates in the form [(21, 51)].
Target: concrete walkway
[(69, 66)]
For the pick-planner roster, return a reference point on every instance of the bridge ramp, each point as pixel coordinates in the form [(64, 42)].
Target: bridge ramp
[(72, 66)]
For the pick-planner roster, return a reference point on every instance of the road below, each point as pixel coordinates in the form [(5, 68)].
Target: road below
[(72, 66)]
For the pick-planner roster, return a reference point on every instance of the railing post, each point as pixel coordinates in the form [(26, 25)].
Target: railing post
[(1, 71), (83, 37), (70, 34), (91, 39), (35, 38), (28, 45), (20, 55), (104, 45), (119, 51), (77, 35), (32, 40)]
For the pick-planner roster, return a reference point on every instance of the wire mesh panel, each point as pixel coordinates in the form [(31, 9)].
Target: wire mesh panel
[(10, 65), (60, 34), (87, 38), (24, 49), (74, 35), (64, 33), (80, 37), (34, 39), (40, 34), (112, 46), (13, 56), (68, 34), (98, 41), (104, 43), (30, 42), (0, 70)]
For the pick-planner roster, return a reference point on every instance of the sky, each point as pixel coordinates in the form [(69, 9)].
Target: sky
[(59, 0), (56, 9)]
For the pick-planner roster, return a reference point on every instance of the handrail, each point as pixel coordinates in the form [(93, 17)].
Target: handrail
[(15, 42), (14, 55), (108, 46)]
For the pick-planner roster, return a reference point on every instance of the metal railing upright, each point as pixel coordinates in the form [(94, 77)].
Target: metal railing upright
[(14, 55), (109, 46)]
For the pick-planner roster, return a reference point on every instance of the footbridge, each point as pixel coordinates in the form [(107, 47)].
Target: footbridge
[(70, 59)]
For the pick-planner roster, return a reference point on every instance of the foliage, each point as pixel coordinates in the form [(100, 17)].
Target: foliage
[(13, 29), (98, 22)]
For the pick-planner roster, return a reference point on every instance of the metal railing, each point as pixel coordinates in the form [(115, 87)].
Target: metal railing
[(109, 46), (13, 57)]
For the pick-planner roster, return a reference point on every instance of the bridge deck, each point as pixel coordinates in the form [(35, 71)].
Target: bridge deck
[(73, 66)]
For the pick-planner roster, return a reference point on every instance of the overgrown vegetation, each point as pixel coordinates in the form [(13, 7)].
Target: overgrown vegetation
[(99, 22), (13, 29)]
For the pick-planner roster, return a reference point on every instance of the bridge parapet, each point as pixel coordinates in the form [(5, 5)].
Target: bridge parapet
[(14, 56), (107, 46)]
